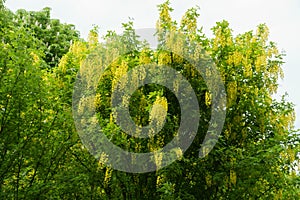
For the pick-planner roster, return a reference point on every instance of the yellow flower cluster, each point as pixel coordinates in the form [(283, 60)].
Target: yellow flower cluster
[(221, 39), (235, 58), (120, 72), (227, 132), (84, 105), (208, 180), (231, 93), (159, 110), (164, 58), (232, 173), (158, 158), (261, 63), (97, 101), (207, 98), (107, 176), (78, 49), (35, 57), (145, 57), (232, 177)]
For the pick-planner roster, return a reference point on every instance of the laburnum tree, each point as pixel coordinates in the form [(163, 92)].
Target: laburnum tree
[(255, 155)]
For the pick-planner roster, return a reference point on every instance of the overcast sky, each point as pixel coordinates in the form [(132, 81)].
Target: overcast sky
[(281, 16)]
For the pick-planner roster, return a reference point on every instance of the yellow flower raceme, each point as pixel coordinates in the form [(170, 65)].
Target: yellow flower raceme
[(120, 72), (35, 57), (231, 93), (207, 98), (159, 110)]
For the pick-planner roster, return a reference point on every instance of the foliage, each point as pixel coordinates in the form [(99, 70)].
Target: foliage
[(56, 36), (41, 156), (36, 128)]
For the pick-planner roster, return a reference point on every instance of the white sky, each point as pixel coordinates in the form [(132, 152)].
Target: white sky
[(281, 16)]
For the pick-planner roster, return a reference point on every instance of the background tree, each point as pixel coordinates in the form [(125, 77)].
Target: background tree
[(56, 37), (36, 128)]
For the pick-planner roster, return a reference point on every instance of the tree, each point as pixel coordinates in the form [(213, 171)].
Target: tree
[(253, 157), (36, 128), (56, 36)]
